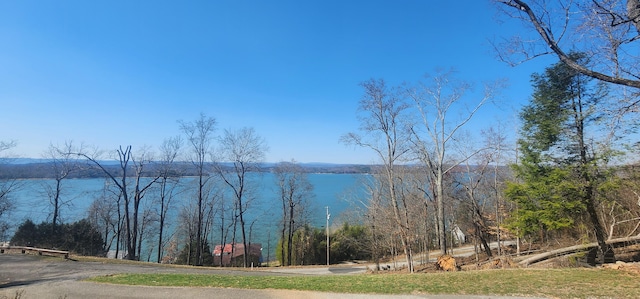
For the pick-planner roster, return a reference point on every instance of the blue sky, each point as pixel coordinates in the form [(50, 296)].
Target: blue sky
[(110, 73)]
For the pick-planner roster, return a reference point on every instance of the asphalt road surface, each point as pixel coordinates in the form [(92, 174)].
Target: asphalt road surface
[(26, 276)]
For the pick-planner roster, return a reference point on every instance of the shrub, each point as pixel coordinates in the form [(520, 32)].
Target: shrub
[(79, 237)]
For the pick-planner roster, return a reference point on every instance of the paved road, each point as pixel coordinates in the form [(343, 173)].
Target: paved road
[(25, 276)]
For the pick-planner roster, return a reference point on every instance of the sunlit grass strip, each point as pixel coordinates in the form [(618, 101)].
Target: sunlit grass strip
[(565, 283)]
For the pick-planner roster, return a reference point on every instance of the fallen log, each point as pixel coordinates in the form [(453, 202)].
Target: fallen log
[(621, 242)]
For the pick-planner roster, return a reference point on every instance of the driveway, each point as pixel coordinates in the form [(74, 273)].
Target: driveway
[(363, 268), (26, 276)]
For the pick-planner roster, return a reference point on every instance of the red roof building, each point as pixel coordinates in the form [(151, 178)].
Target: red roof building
[(233, 255)]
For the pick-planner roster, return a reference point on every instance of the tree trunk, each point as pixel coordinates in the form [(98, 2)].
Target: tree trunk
[(163, 186), (56, 205), (291, 231), (398, 217), (283, 234), (200, 216), (481, 228), (483, 240), (442, 234), (244, 240), (605, 250)]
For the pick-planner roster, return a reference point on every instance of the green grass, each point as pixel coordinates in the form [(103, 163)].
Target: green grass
[(556, 283)]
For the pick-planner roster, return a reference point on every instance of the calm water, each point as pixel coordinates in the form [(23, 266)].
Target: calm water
[(332, 190)]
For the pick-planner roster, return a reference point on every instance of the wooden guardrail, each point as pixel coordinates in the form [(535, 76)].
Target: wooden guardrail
[(38, 251)]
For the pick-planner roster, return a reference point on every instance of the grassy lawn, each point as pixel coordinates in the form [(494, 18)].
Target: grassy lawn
[(556, 283)]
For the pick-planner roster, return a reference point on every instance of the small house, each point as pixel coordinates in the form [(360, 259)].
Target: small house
[(458, 234), (232, 255)]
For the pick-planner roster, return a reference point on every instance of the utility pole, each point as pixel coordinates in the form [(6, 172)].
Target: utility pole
[(328, 215)]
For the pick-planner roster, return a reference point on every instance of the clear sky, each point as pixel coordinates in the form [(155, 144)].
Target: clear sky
[(111, 73)]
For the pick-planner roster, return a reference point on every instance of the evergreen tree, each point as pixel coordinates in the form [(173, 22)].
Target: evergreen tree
[(80, 237), (83, 238), (561, 165), (350, 242), (188, 255), (26, 235)]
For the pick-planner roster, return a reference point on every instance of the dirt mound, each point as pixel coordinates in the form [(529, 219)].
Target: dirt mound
[(499, 263), (426, 268), (623, 266)]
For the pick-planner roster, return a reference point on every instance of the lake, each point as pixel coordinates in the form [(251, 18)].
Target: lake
[(331, 190)]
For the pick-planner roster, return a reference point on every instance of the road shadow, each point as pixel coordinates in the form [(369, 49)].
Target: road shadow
[(20, 283)]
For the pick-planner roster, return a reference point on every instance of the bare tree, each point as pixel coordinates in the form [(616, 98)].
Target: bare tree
[(141, 185), (480, 184), (295, 191), (476, 196), (104, 213), (120, 181), (621, 210), (424, 208), (435, 101), (245, 150), (386, 135), (373, 205), (146, 230), (225, 212), (187, 229), (385, 240), (215, 195), (605, 30), (199, 135), (495, 141), (7, 186), (167, 182), (63, 163), (121, 178)]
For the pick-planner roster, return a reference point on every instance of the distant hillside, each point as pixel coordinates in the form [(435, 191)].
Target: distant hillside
[(40, 168), (327, 168)]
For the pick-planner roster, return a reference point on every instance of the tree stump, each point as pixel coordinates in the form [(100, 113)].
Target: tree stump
[(447, 263)]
